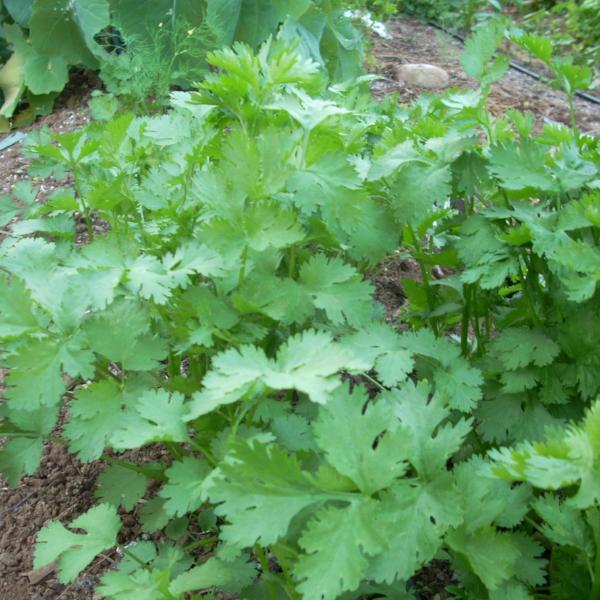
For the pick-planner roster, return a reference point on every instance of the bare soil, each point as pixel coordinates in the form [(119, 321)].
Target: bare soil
[(63, 487), (415, 42)]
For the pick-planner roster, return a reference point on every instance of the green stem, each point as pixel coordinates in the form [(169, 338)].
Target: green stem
[(207, 541), (150, 474), (262, 559), (243, 269), (292, 262), (476, 327), (197, 368), (425, 277), (573, 116), (374, 382), (134, 557), (174, 366), (84, 206), (205, 453), (595, 591), (466, 318), (244, 410), (305, 143), (174, 450), (528, 297)]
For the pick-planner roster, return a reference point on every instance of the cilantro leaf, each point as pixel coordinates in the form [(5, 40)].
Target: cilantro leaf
[(521, 166), (259, 490), (184, 490), (337, 542), (74, 551), (520, 347), (157, 416), (415, 516), (119, 486), (35, 379), (96, 412), (338, 289), (215, 573), (359, 441), (22, 455), (121, 334), (479, 51), (16, 311)]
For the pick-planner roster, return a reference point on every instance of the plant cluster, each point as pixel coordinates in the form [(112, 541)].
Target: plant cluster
[(142, 53), (573, 26), (216, 306)]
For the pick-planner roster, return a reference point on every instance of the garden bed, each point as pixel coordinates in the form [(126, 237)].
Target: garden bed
[(63, 487)]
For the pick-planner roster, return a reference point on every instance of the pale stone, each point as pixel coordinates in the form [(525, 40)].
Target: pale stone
[(425, 76)]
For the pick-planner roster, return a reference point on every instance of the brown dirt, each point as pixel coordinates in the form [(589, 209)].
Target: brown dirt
[(63, 488), (415, 42), (69, 114)]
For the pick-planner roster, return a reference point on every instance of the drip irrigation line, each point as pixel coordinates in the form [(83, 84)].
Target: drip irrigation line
[(516, 66)]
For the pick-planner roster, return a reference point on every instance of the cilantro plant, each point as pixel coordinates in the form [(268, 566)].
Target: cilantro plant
[(199, 287)]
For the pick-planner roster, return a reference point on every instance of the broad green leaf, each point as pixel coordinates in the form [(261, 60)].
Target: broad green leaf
[(16, 310), (563, 524), (35, 379), (519, 166), (490, 553), (19, 10), (66, 28), (122, 334), (97, 411), (430, 439), (307, 111), (21, 455), (12, 83), (75, 551), (234, 374), (158, 417), (119, 486), (394, 158), (309, 362), (215, 573), (361, 439), (560, 461), (338, 289), (417, 189), (414, 517), (259, 490), (184, 490), (337, 542), (382, 348), (520, 347), (479, 60)]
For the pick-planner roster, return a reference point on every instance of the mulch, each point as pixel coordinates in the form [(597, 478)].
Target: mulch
[(63, 487)]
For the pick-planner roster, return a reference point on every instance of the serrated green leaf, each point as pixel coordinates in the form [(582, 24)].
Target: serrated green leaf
[(96, 412), (74, 551), (119, 486), (338, 289), (337, 542), (360, 440), (157, 417), (184, 491), (259, 490), (215, 573)]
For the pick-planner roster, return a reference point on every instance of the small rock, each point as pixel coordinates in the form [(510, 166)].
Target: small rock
[(7, 559), (425, 76)]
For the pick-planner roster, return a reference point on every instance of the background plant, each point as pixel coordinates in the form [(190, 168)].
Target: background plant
[(48, 37)]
